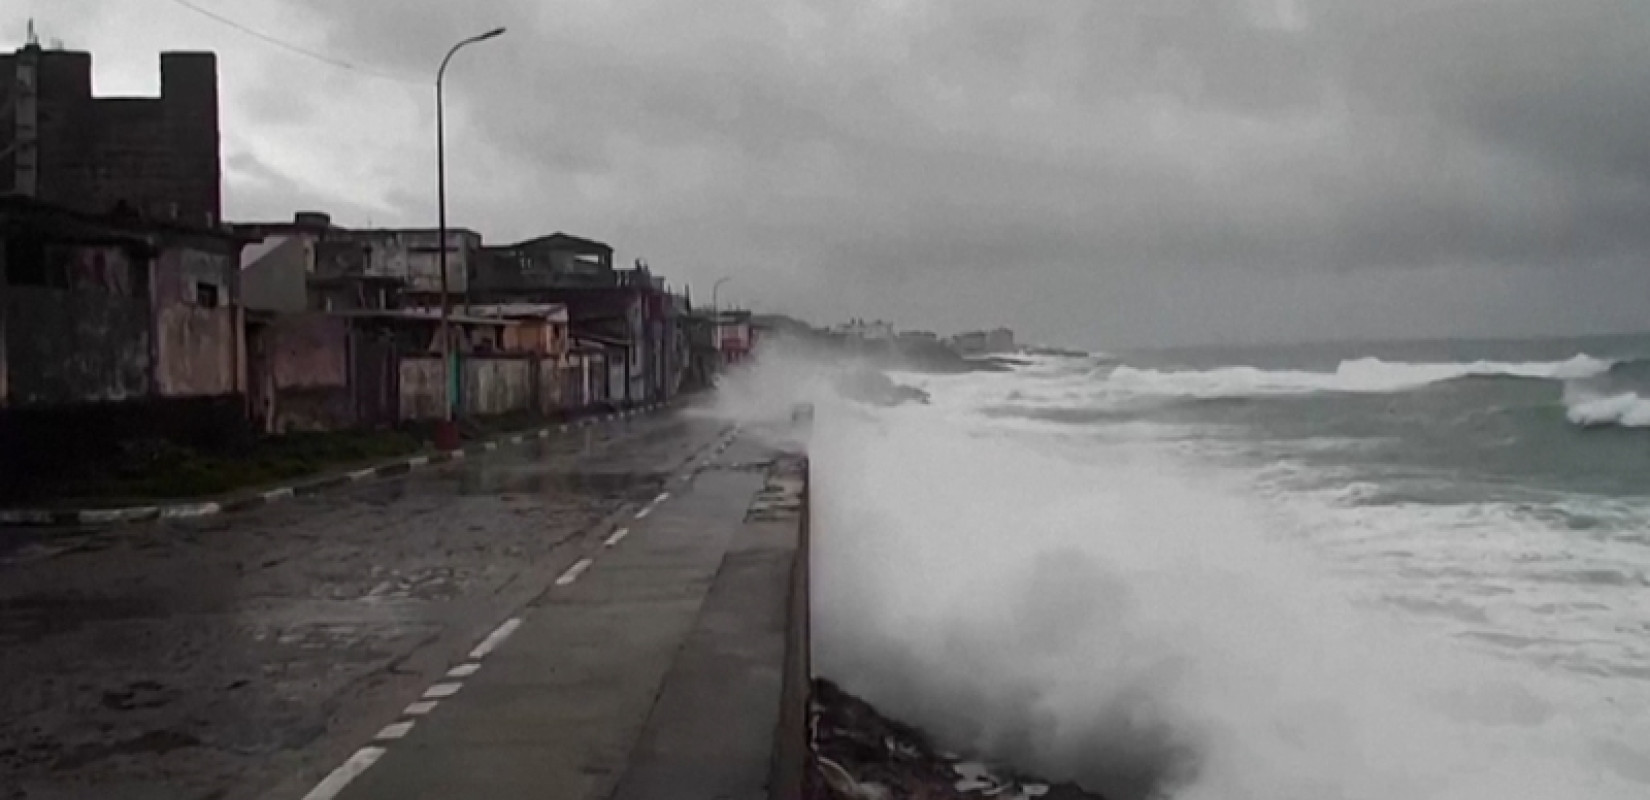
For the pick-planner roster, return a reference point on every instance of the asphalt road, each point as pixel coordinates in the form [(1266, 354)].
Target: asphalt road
[(218, 659)]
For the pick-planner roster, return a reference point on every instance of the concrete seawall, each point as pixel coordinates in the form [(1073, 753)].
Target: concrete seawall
[(790, 752)]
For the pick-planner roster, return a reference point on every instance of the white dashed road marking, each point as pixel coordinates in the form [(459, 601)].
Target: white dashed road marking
[(346, 772), (495, 638), (573, 572), (336, 781), (395, 730), (442, 691)]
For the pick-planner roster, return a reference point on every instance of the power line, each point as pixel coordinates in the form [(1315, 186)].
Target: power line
[(288, 46)]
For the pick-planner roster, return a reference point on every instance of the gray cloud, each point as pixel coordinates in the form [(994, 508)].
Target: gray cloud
[(1128, 170)]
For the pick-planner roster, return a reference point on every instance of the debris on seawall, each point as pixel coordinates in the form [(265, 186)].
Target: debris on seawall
[(857, 753)]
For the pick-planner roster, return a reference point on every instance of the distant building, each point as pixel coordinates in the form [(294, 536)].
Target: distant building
[(972, 343), (731, 336), (541, 329), (151, 157), (861, 329), (979, 343), (309, 263), (917, 337), (278, 264), (411, 255), (556, 261)]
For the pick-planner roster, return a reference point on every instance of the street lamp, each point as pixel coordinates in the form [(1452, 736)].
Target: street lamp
[(713, 290), (447, 434)]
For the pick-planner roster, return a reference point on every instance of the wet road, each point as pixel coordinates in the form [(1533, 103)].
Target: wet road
[(215, 659)]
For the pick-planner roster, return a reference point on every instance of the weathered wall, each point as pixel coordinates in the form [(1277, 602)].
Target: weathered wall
[(421, 391), (68, 347), (423, 259), (196, 332), (560, 386), (616, 377), (183, 271), (196, 349), (595, 379), (310, 351), (494, 386), (317, 409), (309, 361)]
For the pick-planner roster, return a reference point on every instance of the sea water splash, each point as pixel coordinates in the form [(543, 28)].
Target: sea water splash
[(1119, 616), (1356, 375), (1586, 408)]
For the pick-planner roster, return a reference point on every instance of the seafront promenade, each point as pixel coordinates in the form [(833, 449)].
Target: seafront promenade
[(600, 613)]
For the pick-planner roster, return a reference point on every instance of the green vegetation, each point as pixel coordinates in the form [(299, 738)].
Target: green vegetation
[(153, 469)]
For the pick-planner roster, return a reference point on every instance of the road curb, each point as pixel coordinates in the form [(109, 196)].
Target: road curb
[(74, 518)]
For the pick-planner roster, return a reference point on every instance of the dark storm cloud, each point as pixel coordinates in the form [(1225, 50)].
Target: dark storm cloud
[(266, 194), (1131, 151)]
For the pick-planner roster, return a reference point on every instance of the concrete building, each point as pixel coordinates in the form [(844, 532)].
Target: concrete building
[(626, 314), (279, 261), (102, 310), (312, 264), (557, 261), (113, 329), (153, 157)]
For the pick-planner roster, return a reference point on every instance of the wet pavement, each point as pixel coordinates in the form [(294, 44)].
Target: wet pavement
[(218, 659)]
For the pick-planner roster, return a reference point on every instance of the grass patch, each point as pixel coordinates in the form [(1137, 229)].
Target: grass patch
[(155, 469)]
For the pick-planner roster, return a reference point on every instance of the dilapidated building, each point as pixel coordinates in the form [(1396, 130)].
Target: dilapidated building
[(112, 327)]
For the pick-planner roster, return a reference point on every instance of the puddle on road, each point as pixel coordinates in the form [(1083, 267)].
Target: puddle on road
[(30, 617), (534, 481)]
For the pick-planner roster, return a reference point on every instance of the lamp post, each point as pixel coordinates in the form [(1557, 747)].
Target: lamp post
[(714, 288), (447, 432)]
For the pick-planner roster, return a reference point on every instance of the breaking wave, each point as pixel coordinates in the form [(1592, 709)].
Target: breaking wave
[(1119, 611), (1363, 375), (1589, 410), (1045, 608)]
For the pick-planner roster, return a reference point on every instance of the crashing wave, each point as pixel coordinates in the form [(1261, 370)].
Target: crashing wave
[(1363, 375), (1626, 409)]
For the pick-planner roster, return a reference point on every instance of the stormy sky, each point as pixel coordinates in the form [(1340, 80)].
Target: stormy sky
[(1089, 172)]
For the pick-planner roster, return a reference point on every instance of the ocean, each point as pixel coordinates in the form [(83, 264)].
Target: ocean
[(1361, 570)]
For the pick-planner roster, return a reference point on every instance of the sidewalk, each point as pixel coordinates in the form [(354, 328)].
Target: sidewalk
[(653, 668)]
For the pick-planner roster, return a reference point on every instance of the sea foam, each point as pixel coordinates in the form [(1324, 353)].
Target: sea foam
[(1117, 616), (1357, 375)]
